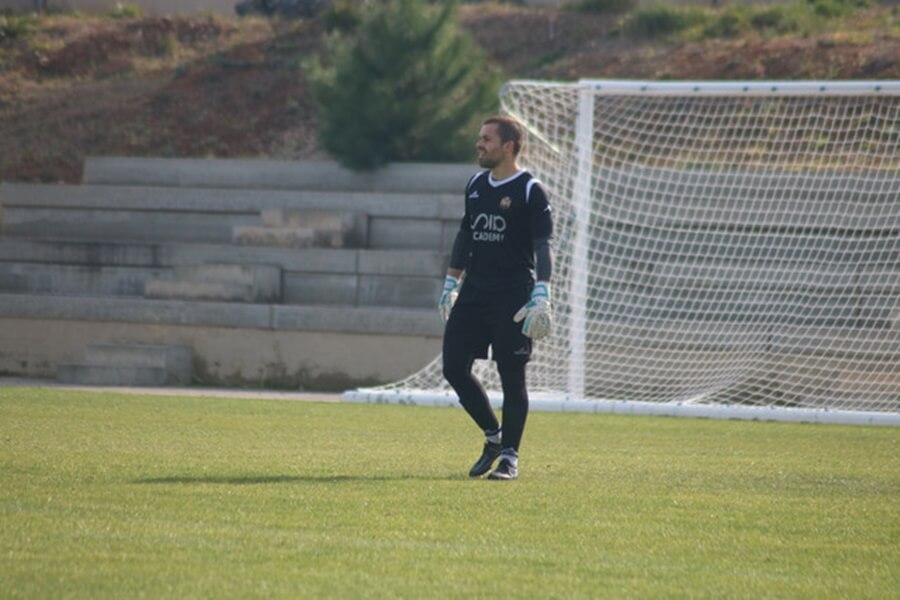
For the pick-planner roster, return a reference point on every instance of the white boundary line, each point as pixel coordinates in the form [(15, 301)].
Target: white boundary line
[(541, 403), (537, 402), (12, 383)]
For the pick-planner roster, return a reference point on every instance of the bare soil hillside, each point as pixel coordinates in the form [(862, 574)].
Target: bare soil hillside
[(210, 87)]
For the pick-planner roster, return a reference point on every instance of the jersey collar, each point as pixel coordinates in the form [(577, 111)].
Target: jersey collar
[(495, 183)]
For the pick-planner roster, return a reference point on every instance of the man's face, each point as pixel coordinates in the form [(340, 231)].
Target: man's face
[(491, 151)]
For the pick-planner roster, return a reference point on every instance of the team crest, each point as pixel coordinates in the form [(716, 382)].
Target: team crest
[(505, 203)]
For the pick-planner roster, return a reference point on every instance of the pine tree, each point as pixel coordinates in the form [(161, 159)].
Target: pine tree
[(406, 85)]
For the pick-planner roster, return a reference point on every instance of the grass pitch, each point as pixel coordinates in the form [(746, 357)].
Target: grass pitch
[(109, 495)]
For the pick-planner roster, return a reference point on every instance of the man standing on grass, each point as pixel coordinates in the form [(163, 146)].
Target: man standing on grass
[(502, 250)]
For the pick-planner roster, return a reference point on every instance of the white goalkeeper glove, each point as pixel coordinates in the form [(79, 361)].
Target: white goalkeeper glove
[(448, 296), (536, 314)]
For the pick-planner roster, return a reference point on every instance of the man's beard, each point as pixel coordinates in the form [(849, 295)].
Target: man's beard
[(486, 162)]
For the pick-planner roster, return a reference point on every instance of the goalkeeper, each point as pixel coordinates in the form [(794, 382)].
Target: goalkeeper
[(502, 252)]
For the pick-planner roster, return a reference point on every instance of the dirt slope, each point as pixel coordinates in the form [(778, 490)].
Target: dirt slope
[(220, 88)]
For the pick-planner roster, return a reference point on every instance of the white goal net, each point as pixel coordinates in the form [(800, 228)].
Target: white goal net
[(720, 249)]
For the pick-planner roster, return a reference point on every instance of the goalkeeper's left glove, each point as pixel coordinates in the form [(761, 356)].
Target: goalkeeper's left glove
[(536, 314), (448, 296)]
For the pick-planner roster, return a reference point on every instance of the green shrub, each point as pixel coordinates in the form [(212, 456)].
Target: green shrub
[(772, 17), (13, 26), (798, 16), (408, 84), (126, 11), (344, 16), (831, 9), (730, 22), (664, 20), (602, 6)]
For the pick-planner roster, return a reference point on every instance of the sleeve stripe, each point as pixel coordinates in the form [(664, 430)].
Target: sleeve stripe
[(528, 187), (472, 180)]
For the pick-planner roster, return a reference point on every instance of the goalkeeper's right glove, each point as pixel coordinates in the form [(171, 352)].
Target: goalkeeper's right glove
[(448, 296), (537, 316)]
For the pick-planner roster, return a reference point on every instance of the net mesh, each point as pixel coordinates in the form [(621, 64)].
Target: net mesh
[(716, 249)]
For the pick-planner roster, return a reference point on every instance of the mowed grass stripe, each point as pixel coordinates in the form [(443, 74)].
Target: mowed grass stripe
[(105, 494)]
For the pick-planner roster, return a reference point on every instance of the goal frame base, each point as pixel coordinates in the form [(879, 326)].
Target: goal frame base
[(548, 403)]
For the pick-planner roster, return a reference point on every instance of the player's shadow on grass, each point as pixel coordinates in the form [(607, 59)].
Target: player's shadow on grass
[(271, 479)]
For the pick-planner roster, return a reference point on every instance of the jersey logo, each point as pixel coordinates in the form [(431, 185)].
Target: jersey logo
[(473, 195), (488, 228), (505, 203)]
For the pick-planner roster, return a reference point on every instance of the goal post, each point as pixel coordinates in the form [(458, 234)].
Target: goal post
[(722, 249)]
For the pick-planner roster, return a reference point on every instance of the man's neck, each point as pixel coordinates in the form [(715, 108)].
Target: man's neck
[(504, 171)]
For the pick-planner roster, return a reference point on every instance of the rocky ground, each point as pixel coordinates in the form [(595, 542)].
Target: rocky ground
[(213, 87)]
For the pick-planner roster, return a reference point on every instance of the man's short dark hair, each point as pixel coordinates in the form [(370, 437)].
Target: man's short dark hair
[(509, 130)]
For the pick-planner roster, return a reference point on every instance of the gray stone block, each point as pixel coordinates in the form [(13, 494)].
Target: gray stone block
[(285, 237), (424, 263), (135, 355), (386, 321), (758, 189), (44, 278), (331, 260), (131, 226), (395, 291), (177, 361), (262, 283), (213, 291), (624, 241), (880, 344), (273, 174), (413, 234), (879, 279), (163, 254), (769, 309), (266, 276), (377, 321), (320, 288), (98, 375), (352, 226), (83, 252), (452, 208), (405, 204), (730, 274), (449, 229), (678, 335), (879, 310), (137, 310), (304, 228)]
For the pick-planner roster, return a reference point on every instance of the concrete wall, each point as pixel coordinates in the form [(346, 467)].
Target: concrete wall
[(225, 356), (76, 261)]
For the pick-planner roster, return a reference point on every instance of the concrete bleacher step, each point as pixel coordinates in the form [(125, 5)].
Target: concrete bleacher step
[(350, 277), (219, 282), (130, 364), (877, 380), (332, 228), (329, 220), (305, 228), (72, 279), (274, 174), (395, 220), (284, 237), (163, 289)]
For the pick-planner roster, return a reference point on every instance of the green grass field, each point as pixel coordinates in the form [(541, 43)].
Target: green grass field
[(113, 495)]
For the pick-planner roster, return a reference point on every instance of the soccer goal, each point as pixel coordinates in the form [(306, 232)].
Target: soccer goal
[(722, 249)]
